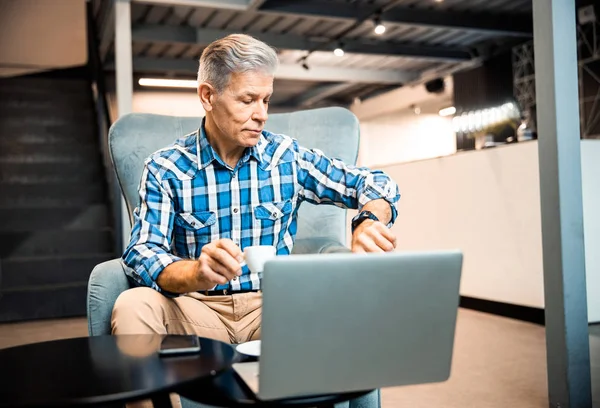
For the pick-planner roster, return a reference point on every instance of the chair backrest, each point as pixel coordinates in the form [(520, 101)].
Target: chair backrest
[(333, 130)]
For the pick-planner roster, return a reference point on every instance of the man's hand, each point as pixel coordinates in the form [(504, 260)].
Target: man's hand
[(373, 236), (219, 263)]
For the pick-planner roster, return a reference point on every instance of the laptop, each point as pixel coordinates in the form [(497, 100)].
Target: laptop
[(352, 322)]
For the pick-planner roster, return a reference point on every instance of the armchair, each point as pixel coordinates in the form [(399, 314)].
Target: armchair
[(321, 229)]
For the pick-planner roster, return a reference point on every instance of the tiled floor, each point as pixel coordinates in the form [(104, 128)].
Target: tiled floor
[(497, 363)]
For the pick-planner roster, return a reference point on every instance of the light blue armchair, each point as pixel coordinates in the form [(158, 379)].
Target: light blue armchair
[(321, 229)]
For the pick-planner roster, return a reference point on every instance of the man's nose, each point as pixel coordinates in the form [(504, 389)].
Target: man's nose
[(260, 113)]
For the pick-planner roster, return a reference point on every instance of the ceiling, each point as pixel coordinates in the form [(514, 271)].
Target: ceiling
[(424, 40)]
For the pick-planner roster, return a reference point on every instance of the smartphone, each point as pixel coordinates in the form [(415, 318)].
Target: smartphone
[(174, 344)]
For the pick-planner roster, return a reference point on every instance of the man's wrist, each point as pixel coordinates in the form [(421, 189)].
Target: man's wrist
[(361, 217), (362, 226)]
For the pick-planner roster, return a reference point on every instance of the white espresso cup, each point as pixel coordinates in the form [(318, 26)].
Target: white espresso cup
[(256, 256)]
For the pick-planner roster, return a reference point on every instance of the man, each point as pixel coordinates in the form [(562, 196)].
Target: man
[(229, 185)]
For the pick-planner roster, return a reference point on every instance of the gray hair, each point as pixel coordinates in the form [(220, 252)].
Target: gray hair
[(236, 53)]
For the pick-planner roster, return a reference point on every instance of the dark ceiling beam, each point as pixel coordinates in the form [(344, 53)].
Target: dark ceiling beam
[(255, 4), (488, 23), (204, 36), (240, 5), (320, 93)]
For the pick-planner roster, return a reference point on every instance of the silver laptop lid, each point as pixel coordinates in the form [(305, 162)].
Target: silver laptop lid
[(347, 322)]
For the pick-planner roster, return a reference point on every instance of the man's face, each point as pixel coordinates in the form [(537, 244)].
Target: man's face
[(240, 112)]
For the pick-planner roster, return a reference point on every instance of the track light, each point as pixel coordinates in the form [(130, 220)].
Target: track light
[(168, 83), (303, 63), (450, 110), (379, 27), (339, 51)]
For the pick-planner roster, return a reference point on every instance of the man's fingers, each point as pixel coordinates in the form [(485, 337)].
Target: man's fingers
[(229, 246), (357, 249), (387, 233), (221, 270), (368, 244), (208, 275), (383, 242), (214, 277), (381, 236), (222, 262)]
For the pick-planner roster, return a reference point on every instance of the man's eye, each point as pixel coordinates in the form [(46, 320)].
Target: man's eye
[(267, 101), (246, 102)]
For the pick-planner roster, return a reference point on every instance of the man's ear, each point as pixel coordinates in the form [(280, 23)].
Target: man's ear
[(207, 95)]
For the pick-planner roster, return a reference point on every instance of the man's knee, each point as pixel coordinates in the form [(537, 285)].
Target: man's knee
[(137, 310), (133, 299)]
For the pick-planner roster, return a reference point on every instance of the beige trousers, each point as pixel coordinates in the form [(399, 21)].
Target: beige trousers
[(231, 319)]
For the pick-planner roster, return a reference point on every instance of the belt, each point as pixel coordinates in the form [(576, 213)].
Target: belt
[(226, 292)]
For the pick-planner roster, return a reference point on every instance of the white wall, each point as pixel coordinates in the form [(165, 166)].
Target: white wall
[(487, 203), (39, 35), (175, 103), (400, 99), (404, 137), (391, 132)]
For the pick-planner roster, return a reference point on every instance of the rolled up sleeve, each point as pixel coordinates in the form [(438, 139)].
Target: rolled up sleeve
[(149, 250), (331, 181)]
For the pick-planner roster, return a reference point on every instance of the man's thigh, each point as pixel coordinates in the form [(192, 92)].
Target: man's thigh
[(144, 310)]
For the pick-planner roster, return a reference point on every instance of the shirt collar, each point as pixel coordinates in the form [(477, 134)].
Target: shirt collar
[(206, 154)]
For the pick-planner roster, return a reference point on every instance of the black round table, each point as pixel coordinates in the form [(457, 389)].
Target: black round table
[(229, 390), (104, 369)]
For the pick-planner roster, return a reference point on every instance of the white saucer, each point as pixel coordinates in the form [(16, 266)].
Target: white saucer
[(250, 348)]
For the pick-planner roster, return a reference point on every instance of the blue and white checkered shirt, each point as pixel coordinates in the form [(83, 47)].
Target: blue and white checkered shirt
[(190, 197)]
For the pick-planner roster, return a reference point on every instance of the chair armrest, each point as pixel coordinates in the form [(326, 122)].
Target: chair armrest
[(318, 246), (106, 283)]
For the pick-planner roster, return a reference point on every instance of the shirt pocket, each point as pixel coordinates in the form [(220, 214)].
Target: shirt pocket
[(198, 223), (273, 211)]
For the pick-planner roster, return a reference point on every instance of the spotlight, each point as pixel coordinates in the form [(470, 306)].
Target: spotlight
[(379, 27), (450, 110), (339, 51)]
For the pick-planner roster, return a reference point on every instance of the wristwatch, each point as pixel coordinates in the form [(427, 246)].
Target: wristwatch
[(361, 216)]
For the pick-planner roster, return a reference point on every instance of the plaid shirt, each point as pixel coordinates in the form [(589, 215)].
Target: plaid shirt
[(190, 197)]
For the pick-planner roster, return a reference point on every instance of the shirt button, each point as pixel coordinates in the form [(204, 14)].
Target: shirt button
[(235, 210)]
